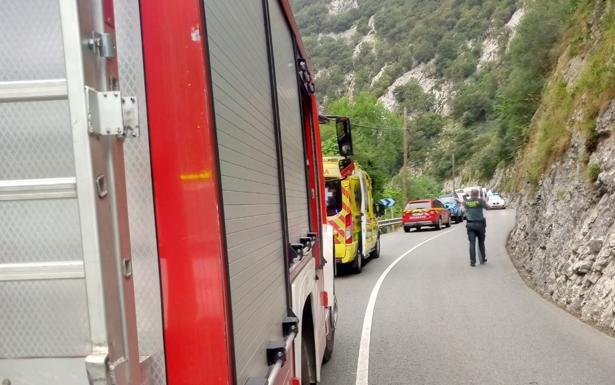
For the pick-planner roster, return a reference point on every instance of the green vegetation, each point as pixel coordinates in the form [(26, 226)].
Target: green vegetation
[(576, 103), (376, 136), (593, 171), (505, 99), (408, 32), (520, 109)]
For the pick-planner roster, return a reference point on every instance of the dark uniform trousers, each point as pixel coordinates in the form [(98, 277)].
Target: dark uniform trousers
[(476, 229)]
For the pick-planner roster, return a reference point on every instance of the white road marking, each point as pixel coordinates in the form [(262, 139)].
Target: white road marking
[(363, 361)]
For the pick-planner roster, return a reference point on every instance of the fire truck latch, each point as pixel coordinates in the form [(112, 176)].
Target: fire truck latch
[(110, 113), (290, 325), (276, 351), (102, 44), (130, 116), (307, 242), (297, 251)]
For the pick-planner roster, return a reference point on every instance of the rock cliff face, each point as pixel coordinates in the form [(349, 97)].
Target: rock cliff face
[(564, 241), (424, 75)]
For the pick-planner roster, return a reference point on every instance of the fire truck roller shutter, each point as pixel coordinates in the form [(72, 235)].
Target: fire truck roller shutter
[(249, 176), (290, 124)]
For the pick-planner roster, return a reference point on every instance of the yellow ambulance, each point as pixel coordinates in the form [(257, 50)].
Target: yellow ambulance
[(351, 211)]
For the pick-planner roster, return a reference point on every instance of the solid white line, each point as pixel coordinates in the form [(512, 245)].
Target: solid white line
[(363, 361)]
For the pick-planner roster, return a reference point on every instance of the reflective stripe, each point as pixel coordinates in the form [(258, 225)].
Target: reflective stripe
[(338, 222), (338, 227)]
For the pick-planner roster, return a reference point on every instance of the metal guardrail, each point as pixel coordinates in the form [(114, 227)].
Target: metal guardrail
[(389, 222)]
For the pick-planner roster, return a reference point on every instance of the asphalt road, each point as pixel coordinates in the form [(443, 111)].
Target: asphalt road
[(438, 321)]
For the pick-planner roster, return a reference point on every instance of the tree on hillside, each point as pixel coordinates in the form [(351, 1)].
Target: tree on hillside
[(376, 133), (412, 96)]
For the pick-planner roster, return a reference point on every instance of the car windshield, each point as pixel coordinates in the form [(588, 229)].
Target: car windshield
[(447, 200), (495, 197), (418, 205), (333, 194)]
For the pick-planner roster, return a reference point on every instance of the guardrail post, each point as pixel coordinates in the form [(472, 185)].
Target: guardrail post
[(388, 225)]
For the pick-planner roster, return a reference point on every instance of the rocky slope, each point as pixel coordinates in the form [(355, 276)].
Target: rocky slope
[(379, 45), (564, 241)]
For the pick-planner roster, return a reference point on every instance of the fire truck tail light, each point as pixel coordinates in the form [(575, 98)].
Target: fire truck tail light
[(324, 298), (294, 381)]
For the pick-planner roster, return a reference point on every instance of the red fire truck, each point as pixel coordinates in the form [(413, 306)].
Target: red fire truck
[(162, 217)]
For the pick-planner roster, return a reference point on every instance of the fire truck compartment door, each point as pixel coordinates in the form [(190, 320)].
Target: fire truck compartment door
[(249, 177), (291, 127)]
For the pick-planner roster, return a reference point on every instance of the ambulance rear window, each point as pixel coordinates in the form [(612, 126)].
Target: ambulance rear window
[(333, 193)]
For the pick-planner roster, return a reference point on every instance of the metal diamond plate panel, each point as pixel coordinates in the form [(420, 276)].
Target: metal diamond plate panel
[(139, 191), (34, 49), (37, 231), (35, 371), (35, 140), (37, 318), (43, 319)]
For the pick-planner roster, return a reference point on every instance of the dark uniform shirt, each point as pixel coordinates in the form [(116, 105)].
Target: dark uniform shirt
[(474, 210)]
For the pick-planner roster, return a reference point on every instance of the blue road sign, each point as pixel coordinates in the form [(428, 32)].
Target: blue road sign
[(387, 202)]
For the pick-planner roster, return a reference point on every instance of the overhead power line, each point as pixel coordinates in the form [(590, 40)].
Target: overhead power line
[(376, 128)]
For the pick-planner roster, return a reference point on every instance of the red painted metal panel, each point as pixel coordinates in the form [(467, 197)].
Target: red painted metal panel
[(309, 150), (190, 230), (314, 153), (315, 170), (319, 166)]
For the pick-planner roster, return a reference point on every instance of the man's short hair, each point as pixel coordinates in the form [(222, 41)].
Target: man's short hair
[(474, 193)]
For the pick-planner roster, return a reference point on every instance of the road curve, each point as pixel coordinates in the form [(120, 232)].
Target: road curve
[(438, 321)]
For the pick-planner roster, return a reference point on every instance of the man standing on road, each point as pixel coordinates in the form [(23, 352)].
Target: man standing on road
[(476, 226)]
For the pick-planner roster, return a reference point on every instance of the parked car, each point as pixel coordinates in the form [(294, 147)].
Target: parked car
[(461, 197), (482, 192), (495, 201), (454, 207), (425, 213)]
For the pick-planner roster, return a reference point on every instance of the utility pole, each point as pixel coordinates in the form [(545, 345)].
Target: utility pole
[(454, 189), (404, 172)]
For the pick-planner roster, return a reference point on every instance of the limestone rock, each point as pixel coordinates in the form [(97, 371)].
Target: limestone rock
[(595, 245)]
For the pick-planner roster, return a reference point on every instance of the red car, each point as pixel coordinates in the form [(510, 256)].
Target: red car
[(425, 212)]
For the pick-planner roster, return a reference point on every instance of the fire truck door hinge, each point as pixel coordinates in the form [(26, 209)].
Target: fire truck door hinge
[(102, 44), (111, 114), (104, 112)]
